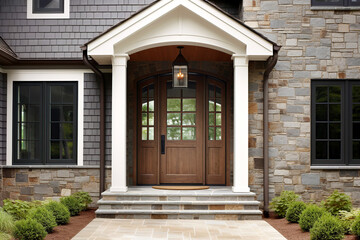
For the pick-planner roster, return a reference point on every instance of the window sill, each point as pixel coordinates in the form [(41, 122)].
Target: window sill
[(334, 8), (334, 167), (52, 166)]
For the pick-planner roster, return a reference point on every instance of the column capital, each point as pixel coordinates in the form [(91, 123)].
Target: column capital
[(240, 60), (120, 59)]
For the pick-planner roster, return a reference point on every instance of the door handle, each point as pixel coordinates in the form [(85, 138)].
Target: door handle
[(162, 144)]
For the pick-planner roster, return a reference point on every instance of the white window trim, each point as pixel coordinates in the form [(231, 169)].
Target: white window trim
[(31, 15), (62, 75)]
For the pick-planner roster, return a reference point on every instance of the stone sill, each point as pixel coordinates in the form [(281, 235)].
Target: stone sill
[(334, 8), (335, 167), (53, 167)]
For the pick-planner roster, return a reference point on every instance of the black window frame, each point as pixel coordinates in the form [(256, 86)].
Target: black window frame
[(346, 158), (37, 9), (44, 131), (341, 3)]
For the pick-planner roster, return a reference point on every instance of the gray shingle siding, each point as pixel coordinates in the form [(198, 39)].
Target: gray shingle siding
[(3, 87), (92, 120), (62, 38)]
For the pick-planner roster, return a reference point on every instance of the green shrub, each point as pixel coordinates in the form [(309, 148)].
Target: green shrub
[(72, 204), (29, 229), (337, 202), (327, 227), (19, 209), (6, 223), (347, 219), (44, 217), (309, 216), (281, 203), (84, 198), (355, 227), (294, 210), (60, 212)]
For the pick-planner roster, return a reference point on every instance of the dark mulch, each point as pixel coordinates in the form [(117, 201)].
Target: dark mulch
[(292, 231), (76, 224)]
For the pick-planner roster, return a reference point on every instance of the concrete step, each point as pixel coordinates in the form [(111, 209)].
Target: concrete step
[(181, 214)]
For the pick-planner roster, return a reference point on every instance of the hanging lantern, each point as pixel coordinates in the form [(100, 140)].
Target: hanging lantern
[(180, 71)]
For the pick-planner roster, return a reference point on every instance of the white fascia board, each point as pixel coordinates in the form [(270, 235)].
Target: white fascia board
[(75, 75)]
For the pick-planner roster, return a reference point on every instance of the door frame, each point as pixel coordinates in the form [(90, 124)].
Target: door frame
[(228, 105)]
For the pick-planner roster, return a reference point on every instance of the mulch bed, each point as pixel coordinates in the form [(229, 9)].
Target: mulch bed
[(292, 231), (76, 224)]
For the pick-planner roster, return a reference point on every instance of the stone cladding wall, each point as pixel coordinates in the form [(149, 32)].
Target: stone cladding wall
[(37, 184), (315, 45)]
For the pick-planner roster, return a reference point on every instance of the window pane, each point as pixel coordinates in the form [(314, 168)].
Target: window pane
[(48, 6), (335, 150), (151, 105), (321, 112), (189, 104), (151, 133), (335, 112), (211, 106), (327, 2), (356, 149), (35, 94), (321, 150), (189, 133), (189, 119), (55, 130), (335, 94), (218, 119), (211, 91), (151, 91), (356, 112), (356, 93), (68, 113), (211, 133), (55, 150), (218, 133), (144, 92), (356, 130), (67, 130), (174, 119), (218, 92), (173, 104), (218, 105), (67, 150), (29, 131), (67, 94), (144, 105), (23, 94), (321, 131), (144, 133), (55, 113), (144, 119), (321, 94), (33, 113), (56, 94), (151, 119), (335, 130), (174, 133), (211, 119)]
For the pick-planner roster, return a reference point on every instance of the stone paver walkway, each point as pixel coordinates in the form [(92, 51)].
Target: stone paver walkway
[(142, 229)]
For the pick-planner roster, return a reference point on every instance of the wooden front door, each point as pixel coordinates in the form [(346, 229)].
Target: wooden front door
[(181, 132)]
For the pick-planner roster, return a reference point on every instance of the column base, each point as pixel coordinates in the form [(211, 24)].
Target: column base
[(241, 189), (118, 189)]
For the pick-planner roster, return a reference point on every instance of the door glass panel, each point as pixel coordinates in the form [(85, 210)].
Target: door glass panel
[(189, 104), (215, 112), (144, 133), (321, 112), (321, 130), (321, 150), (173, 119), (335, 130), (189, 133), (144, 105), (173, 92), (218, 105), (211, 105), (151, 119), (218, 119), (218, 133), (321, 94), (151, 105), (189, 119), (147, 115), (211, 119), (144, 119), (335, 150), (151, 133), (173, 104), (211, 133), (335, 112), (174, 133), (335, 94)]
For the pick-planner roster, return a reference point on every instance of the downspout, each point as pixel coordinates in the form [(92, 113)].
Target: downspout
[(101, 78), (270, 64)]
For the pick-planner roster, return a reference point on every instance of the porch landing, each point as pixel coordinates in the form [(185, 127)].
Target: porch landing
[(215, 203)]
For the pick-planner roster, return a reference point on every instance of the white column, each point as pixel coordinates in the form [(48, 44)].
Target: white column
[(241, 123), (118, 142)]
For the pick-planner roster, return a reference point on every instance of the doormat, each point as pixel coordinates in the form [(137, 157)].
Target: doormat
[(181, 187)]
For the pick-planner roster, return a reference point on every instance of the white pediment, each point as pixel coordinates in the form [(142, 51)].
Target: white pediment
[(180, 22)]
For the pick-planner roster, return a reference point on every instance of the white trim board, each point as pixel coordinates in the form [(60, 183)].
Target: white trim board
[(31, 15), (45, 75)]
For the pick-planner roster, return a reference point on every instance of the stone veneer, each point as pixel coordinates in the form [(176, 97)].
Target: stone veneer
[(315, 45), (39, 183)]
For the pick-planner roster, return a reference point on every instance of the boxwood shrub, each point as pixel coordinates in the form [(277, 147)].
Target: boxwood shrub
[(327, 227), (336, 202), (294, 211), (60, 212), (84, 198), (73, 205), (44, 217), (355, 227), (29, 229), (281, 203), (309, 216)]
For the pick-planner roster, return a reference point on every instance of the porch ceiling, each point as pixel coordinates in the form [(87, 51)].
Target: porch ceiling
[(180, 22)]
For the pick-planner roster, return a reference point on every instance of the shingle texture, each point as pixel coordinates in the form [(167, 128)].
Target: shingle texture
[(62, 38)]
